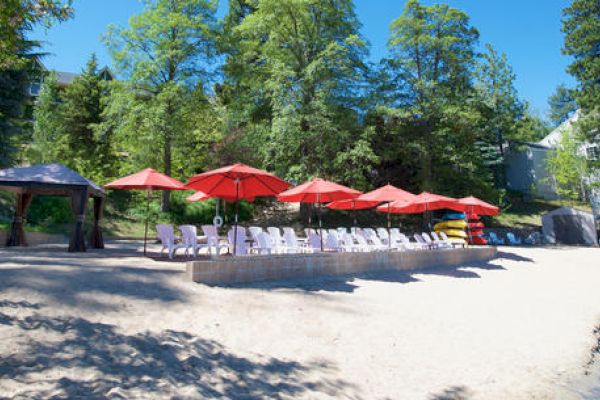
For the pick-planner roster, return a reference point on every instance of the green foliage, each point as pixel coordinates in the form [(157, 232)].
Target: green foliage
[(13, 98), (562, 105), (567, 166), (164, 53), (17, 18), (293, 71), (581, 26), (47, 146)]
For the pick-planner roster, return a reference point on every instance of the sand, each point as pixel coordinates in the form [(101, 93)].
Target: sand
[(108, 324)]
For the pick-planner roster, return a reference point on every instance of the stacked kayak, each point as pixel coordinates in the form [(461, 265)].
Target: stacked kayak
[(475, 230), (454, 226)]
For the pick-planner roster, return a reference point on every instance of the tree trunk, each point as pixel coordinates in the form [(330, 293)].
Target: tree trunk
[(165, 204)]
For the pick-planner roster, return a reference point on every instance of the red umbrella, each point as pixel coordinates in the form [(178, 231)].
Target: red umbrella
[(388, 193), (422, 203), (149, 180), (474, 205), (352, 204), (318, 191), (237, 181)]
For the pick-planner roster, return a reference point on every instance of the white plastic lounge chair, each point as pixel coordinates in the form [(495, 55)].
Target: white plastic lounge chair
[(383, 235), (513, 240), (376, 243), (314, 241), (439, 243), (241, 248), (291, 241), (167, 238), (333, 243), (263, 244), (422, 241), (189, 236), (277, 241), (453, 243), (362, 244), (212, 239), (494, 239)]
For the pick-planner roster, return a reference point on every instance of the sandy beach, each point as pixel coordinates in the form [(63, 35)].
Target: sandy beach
[(109, 324)]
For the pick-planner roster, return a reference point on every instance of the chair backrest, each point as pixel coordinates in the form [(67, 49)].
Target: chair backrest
[(512, 237), (165, 233), (419, 238), (426, 238), (240, 244), (333, 242), (263, 240), (402, 237), (254, 232), (369, 233), (377, 241), (275, 235), (435, 237), (212, 236), (189, 234), (333, 232), (314, 240), (360, 239), (341, 231), (493, 236), (291, 241), (383, 233)]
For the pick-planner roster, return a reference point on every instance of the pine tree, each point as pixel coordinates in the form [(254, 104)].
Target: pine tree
[(48, 141), (562, 105)]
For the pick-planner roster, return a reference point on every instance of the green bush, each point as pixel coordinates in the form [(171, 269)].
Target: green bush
[(49, 210)]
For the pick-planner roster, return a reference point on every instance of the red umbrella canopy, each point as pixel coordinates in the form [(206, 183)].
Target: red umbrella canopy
[(421, 203), (318, 191), (352, 204), (148, 179), (237, 181), (474, 205), (387, 193)]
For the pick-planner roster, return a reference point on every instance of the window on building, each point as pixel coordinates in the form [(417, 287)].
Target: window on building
[(592, 152)]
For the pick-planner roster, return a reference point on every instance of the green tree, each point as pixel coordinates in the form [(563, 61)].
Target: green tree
[(48, 136), (81, 108), (429, 86), (568, 167), (293, 72), (562, 105), (13, 99), (165, 53)]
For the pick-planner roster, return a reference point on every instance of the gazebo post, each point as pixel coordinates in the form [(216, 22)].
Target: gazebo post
[(96, 239), (17, 233), (79, 203)]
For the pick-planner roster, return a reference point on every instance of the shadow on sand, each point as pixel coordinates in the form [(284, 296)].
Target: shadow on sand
[(93, 360), (452, 393), (76, 281)]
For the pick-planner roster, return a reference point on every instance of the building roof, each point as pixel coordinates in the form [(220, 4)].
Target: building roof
[(65, 78), (552, 139), (51, 178)]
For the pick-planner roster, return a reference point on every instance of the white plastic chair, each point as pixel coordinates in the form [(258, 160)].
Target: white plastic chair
[(314, 241), (333, 243), (434, 244), (361, 242), (189, 235), (263, 244), (291, 241), (212, 239), (422, 241), (441, 242), (376, 242), (167, 238), (241, 249), (277, 241), (384, 235)]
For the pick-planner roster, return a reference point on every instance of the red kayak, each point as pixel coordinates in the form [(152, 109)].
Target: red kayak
[(475, 225), (478, 240), (475, 232)]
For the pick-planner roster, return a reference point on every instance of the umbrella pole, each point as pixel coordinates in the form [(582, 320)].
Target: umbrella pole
[(320, 223), (146, 223), (237, 204), (354, 211), (389, 223)]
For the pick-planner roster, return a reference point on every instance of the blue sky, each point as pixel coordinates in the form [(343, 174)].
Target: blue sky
[(528, 31)]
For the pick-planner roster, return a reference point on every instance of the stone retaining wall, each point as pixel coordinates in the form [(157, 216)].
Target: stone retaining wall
[(235, 270)]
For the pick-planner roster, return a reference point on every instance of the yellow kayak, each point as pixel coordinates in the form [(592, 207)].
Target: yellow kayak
[(456, 233), (452, 224)]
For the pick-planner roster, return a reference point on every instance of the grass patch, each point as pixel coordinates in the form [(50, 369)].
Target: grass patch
[(528, 214)]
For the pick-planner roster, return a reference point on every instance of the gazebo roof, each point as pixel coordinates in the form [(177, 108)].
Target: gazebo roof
[(50, 179)]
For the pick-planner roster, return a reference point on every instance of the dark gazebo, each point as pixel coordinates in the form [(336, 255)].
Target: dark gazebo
[(53, 180)]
